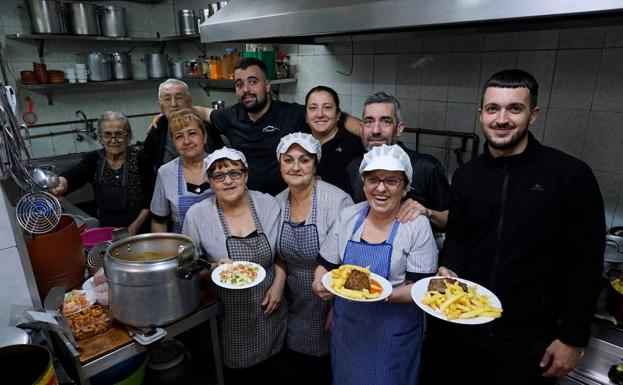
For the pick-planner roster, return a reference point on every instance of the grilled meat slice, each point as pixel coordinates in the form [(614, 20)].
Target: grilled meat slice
[(357, 280), (439, 284)]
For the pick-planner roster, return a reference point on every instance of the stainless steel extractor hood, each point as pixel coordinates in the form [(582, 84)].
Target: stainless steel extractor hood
[(249, 20)]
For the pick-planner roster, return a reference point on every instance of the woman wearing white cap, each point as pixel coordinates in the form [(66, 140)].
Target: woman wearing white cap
[(308, 209), (379, 343), (238, 224), (181, 182)]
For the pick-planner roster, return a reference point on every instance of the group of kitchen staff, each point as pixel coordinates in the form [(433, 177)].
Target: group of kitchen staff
[(312, 227)]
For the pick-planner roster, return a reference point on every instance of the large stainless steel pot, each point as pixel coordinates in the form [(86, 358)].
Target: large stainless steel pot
[(151, 279), (157, 65), (112, 21), (99, 65), (45, 16), (121, 66), (83, 18)]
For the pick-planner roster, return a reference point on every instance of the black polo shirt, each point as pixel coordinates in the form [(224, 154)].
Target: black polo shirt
[(429, 185), (337, 153), (258, 140)]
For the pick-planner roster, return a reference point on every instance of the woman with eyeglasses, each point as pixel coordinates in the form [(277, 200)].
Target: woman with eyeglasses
[(120, 175), (379, 343), (241, 225), (308, 209), (181, 182)]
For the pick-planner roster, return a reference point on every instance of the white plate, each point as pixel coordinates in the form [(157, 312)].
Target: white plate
[(421, 287), (387, 288), (216, 278)]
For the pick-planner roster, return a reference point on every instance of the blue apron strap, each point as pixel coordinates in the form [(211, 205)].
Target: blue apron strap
[(180, 177), (359, 222), (392, 234)]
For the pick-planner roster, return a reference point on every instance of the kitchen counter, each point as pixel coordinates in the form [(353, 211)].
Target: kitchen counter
[(108, 349)]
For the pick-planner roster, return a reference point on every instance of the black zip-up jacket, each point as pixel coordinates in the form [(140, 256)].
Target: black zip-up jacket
[(531, 228)]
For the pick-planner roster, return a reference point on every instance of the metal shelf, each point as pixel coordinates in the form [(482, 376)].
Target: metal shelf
[(206, 84), (35, 36)]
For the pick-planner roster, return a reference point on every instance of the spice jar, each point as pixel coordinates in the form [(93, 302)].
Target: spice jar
[(230, 60), (216, 68)]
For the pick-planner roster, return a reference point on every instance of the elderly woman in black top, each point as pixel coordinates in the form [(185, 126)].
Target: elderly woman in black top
[(121, 176)]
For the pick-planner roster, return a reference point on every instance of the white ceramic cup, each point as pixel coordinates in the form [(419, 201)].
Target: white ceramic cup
[(80, 67), (70, 74)]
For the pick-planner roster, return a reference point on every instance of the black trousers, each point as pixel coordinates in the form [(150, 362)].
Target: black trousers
[(303, 369), (455, 354), (266, 372)]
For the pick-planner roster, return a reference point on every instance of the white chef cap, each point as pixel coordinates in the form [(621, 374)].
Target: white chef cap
[(307, 141), (224, 153), (389, 158)]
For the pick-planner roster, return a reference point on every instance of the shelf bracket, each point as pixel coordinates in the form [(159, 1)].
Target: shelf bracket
[(49, 94)]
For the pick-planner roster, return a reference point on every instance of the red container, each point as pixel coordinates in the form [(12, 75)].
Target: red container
[(97, 235), (57, 257)]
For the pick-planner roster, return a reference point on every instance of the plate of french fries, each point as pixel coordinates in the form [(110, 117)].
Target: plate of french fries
[(476, 305), (335, 281)]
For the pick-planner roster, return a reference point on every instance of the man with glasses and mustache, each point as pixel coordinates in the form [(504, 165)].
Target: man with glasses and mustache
[(430, 193), (173, 95), (256, 123), (122, 180), (527, 222)]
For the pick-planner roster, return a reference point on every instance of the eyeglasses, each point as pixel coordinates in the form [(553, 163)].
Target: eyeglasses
[(232, 174), (119, 136), (389, 183)]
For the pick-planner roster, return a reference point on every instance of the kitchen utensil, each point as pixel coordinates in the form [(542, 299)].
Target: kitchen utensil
[(45, 16), (41, 71), (179, 69), (121, 66), (157, 65), (57, 258), (93, 237), (38, 213), (112, 21), (84, 19), (29, 117), (145, 275), (186, 21), (70, 74), (56, 76), (44, 178), (11, 335), (99, 66), (27, 364), (29, 77), (53, 303), (95, 258), (11, 97)]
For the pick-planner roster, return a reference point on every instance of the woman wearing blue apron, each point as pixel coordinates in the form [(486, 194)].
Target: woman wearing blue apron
[(379, 342), (241, 225), (308, 209), (119, 174), (181, 182)]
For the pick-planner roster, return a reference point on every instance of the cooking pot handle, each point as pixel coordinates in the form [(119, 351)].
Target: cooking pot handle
[(188, 266)]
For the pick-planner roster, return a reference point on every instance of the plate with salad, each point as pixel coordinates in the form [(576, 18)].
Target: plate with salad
[(238, 275)]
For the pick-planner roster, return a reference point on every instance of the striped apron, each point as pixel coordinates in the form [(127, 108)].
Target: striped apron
[(249, 337), (184, 202), (375, 343), (299, 246)]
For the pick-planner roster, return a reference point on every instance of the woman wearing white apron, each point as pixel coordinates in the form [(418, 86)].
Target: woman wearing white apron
[(308, 209), (237, 224), (379, 343), (181, 182)]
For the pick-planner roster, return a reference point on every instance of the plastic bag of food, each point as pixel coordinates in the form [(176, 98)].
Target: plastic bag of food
[(89, 321)]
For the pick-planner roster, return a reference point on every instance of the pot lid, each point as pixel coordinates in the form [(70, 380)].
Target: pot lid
[(13, 336), (612, 255)]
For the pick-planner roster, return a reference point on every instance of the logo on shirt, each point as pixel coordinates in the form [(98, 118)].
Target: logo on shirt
[(339, 149), (268, 129), (537, 187)]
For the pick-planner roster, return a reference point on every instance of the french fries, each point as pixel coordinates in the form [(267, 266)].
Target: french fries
[(339, 277), (457, 304)]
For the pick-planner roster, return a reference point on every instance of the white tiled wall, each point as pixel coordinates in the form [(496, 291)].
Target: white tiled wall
[(438, 78), (143, 20)]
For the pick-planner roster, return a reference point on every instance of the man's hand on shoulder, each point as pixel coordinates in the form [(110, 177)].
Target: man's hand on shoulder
[(154, 123), (561, 358), (411, 209)]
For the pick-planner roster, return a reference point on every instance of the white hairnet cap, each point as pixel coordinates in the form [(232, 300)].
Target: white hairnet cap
[(307, 141), (224, 153), (388, 158)]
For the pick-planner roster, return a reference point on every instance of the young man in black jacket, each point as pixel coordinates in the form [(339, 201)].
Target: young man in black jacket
[(527, 222)]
